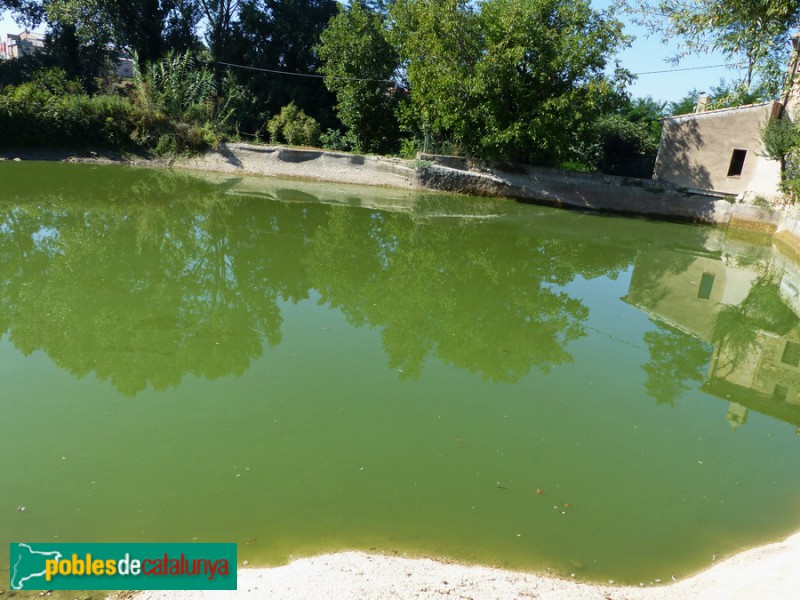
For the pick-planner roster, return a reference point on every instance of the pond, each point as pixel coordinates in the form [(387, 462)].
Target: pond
[(304, 368)]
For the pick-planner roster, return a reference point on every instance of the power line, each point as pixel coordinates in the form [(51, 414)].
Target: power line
[(692, 68), (316, 76), (312, 75)]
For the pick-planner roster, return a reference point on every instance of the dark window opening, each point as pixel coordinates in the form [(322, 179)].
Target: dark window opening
[(791, 354), (737, 163), (706, 283), (780, 392)]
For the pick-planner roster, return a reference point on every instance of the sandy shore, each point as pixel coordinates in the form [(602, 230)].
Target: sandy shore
[(770, 572)]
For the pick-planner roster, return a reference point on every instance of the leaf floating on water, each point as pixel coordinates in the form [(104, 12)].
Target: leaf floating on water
[(567, 505), (539, 492)]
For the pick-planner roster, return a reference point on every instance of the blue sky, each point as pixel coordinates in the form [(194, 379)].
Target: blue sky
[(644, 56), (649, 53)]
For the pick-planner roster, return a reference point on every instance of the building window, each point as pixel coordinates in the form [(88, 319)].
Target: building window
[(737, 163), (791, 354), (780, 392), (706, 283)]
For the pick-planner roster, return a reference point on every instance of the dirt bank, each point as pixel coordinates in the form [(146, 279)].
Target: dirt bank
[(765, 572)]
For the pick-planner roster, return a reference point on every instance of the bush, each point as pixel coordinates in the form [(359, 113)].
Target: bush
[(32, 116), (409, 147), (52, 111), (333, 139), (623, 147), (294, 127)]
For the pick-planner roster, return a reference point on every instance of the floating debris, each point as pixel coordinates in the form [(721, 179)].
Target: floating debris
[(21, 509), (539, 492)]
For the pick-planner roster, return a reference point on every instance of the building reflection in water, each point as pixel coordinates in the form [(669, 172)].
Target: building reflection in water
[(745, 307)]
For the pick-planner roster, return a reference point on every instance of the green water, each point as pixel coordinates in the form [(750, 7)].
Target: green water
[(303, 368)]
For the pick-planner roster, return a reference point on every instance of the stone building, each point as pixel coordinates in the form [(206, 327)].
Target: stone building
[(719, 152)]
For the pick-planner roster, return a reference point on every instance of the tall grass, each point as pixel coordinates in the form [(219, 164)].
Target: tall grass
[(171, 109)]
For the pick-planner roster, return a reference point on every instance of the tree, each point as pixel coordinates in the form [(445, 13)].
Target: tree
[(80, 37), (220, 16), (294, 127), (180, 33), (780, 138), (750, 32), (282, 35), (722, 95), (92, 31), (624, 147), (358, 63), (439, 45), (685, 105), (514, 80), (542, 77), (625, 141), (676, 360), (140, 26)]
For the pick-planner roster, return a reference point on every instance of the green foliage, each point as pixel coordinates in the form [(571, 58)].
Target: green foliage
[(726, 95), (781, 142), (281, 35), (508, 80), (32, 115), (294, 127), (333, 139), (358, 62), (542, 80), (409, 147), (177, 108), (685, 105), (439, 44), (516, 80), (743, 31), (169, 114), (722, 95), (624, 147), (676, 359), (177, 86), (780, 137), (54, 81), (626, 141)]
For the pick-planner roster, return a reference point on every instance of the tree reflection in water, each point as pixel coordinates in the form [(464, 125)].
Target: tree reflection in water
[(156, 275)]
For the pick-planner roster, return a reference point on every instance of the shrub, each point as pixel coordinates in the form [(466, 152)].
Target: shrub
[(333, 139), (172, 111), (294, 127), (623, 147), (409, 147)]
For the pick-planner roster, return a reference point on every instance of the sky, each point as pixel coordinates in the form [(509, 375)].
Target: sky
[(647, 54)]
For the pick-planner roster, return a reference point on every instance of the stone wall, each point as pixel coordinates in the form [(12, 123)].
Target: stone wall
[(696, 151), (529, 184)]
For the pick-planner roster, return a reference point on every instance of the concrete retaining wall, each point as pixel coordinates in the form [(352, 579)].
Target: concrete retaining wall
[(320, 165), (530, 184), (582, 191)]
